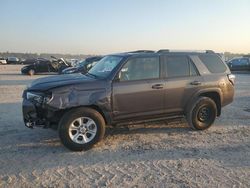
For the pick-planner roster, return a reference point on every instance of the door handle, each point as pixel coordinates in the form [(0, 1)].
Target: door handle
[(157, 86), (195, 83)]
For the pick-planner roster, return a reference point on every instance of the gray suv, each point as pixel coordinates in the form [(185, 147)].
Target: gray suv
[(131, 87)]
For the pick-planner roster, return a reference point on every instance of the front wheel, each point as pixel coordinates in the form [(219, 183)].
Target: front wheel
[(80, 129), (202, 113)]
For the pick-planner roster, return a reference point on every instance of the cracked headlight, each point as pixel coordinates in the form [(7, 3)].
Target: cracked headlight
[(38, 97), (47, 98)]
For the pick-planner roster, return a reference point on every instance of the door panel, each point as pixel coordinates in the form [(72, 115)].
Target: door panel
[(42, 67), (182, 82), (138, 99), (179, 91)]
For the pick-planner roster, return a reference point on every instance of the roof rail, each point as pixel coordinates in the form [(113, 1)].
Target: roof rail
[(209, 51), (200, 51), (163, 51), (142, 51)]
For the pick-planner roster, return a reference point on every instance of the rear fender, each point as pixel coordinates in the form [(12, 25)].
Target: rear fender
[(203, 92)]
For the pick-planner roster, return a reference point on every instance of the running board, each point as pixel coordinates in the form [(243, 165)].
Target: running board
[(150, 120)]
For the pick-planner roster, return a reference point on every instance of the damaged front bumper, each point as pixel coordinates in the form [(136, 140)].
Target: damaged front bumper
[(30, 115)]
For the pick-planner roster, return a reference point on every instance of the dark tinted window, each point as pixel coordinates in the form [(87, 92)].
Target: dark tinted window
[(140, 68), (235, 62), (244, 61), (213, 63), (179, 66)]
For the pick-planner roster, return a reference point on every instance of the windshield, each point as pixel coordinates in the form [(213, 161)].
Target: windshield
[(105, 66)]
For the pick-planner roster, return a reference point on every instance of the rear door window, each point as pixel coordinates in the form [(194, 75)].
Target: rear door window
[(179, 66), (213, 63)]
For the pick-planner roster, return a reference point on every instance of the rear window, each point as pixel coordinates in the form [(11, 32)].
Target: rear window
[(213, 63)]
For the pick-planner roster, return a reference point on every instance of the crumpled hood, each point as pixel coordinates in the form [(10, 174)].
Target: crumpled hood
[(43, 84)]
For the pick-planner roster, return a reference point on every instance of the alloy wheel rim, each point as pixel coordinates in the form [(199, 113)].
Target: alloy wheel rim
[(82, 130)]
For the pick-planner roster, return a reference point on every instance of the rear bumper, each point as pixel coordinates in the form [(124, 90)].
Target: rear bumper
[(228, 95)]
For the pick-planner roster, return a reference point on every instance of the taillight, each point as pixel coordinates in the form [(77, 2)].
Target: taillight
[(231, 78)]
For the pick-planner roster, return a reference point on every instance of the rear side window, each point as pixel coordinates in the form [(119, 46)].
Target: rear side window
[(244, 61), (235, 62), (180, 66), (213, 63)]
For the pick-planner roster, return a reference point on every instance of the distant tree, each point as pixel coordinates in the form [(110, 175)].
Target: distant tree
[(42, 55)]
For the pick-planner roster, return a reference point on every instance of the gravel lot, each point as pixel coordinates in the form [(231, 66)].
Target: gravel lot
[(154, 155)]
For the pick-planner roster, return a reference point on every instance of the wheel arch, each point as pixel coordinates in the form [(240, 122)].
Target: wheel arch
[(215, 94), (94, 107)]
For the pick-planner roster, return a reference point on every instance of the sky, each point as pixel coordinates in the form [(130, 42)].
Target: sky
[(109, 26)]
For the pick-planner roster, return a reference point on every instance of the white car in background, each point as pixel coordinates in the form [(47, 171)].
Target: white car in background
[(3, 61)]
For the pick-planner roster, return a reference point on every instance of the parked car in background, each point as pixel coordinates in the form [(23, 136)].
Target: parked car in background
[(12, 60), (3, 61), (133, 87), (31, 61), (59, 64), (84, 66), (72, 62), (239, 64), (42, 65)]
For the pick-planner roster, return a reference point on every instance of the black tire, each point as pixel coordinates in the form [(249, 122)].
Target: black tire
[(195, 115), (31, 72), (69, 117)]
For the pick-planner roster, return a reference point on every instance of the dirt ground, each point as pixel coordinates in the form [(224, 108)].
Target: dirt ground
[(154, 155)]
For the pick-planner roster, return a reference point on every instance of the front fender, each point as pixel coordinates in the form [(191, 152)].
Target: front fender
[(74, 97)]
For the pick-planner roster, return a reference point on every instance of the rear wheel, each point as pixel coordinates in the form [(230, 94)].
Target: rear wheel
[(202, 113), (80, 129), (31, 72)]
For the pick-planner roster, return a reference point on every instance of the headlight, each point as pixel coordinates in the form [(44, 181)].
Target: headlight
[(47, 98), (39, 97), (34, 97)]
